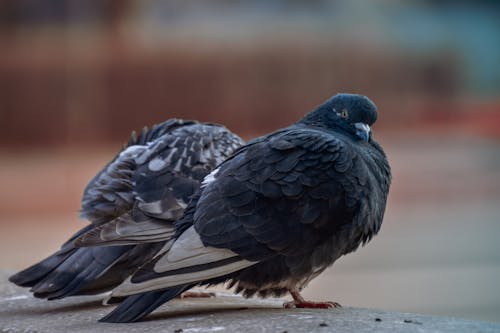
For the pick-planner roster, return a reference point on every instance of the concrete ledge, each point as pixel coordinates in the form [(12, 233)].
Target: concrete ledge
[(20, 312)]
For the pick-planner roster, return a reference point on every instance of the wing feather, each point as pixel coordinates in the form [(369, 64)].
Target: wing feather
[(187, 261), (127, 229)]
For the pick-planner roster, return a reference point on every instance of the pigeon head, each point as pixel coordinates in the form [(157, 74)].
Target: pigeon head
[(352, 113)]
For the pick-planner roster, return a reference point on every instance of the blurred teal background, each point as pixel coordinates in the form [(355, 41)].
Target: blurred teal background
[(77, 76)]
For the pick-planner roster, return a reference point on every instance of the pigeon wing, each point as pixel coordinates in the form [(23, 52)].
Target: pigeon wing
[(184, 261), (167, 173), (110, 193)]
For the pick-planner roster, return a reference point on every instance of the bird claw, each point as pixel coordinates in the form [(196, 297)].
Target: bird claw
[(311, 305)]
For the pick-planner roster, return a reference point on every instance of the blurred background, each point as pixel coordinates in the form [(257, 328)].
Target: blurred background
[(77, 76)]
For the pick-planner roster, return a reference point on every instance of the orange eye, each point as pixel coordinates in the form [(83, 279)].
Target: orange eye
[(344, 114)]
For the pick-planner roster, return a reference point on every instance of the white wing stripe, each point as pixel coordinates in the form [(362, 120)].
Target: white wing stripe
[(188, 250), (128, 288)]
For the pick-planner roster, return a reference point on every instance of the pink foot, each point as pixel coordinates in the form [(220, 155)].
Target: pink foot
[(197, 294), (300, 302)]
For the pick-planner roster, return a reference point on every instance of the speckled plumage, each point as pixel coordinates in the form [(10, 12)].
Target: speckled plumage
[(275, 214)]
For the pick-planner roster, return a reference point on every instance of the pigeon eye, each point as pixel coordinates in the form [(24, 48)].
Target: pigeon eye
[(344, 114)]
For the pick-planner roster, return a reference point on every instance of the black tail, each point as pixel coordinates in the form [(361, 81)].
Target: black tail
[(136, 307), (79, 270), (69, 271), (34, 274)]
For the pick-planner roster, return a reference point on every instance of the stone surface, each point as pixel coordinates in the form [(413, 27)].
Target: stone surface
[(20, 312)]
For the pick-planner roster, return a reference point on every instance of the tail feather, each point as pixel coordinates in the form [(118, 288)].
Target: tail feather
[(83, 271), (36, 273), (136, 307), (83, 267), (122, 269), (74, 284)]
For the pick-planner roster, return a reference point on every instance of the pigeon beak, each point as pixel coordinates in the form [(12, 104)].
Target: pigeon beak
[(362, 131)]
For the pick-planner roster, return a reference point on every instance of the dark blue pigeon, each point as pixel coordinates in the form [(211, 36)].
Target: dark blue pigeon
[(275, 214), (132, 204)]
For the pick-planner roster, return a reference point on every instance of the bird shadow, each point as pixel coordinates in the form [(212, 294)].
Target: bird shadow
[(85, 305), (59, 308), (203, 311), (187, 310)]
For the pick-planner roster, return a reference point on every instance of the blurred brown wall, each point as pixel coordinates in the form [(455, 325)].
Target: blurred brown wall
[(72, 92)]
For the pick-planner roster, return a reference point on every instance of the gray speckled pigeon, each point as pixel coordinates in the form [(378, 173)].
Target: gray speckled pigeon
[(132, 204), (275, 214)]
